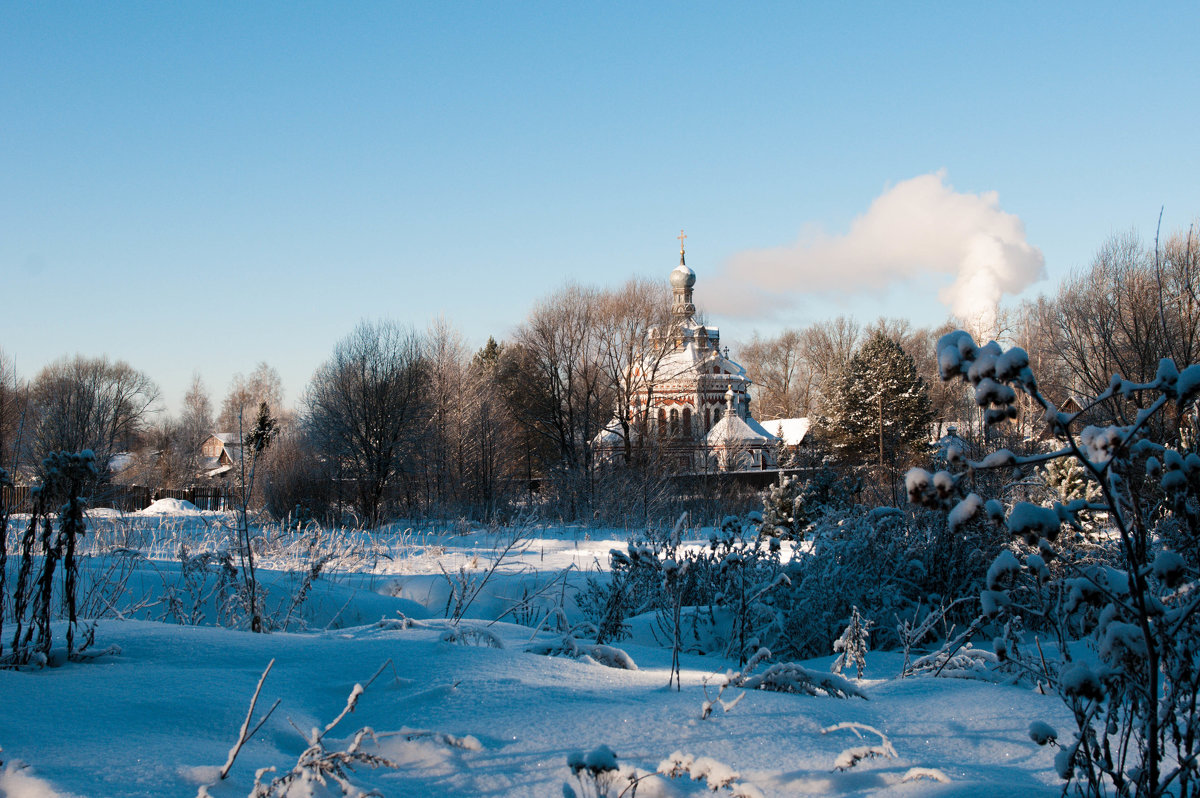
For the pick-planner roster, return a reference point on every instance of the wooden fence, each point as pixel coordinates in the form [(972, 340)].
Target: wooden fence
[(128, 498)]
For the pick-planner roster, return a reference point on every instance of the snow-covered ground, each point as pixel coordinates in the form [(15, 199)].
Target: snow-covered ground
[(460, 718)]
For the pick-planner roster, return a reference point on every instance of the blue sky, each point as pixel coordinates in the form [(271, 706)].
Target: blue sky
[(198, 187)]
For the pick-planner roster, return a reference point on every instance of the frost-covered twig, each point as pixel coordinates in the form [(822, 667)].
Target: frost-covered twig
[(568, 646), (317, 764), (470, 588), (245, 733), (713, 701), (852, 756), (301, 594), (910, 635), (472, 635), (527, 601), (953, 646)]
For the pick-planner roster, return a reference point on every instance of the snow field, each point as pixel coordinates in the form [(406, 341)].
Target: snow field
[(159, 718)]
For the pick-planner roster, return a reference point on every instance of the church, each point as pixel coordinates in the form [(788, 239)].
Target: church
[(693, 401)]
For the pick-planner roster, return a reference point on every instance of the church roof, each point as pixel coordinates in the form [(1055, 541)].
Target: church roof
[(682, 276), (733, 429)]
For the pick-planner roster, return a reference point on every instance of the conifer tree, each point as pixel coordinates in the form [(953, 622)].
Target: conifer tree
[(853, 645), (1069, 480), (782, 515), (880, 413)]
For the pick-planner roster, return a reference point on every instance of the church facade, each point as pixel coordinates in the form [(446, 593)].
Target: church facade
[(692, 400)]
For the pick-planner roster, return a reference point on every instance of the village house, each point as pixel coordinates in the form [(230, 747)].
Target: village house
[(219, 453)]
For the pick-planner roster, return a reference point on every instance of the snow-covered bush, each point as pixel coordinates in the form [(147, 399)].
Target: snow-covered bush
[(780, 677), (597, 774), (207, 583), (788, 677), (632, 587), (1134, 705), (727, 587), (791, 508), (44, 591), (716, 775), (886, 562)]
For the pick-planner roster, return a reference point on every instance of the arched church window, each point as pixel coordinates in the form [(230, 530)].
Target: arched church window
[(707, 419), (687, 422), (662, 421), (674, 422)]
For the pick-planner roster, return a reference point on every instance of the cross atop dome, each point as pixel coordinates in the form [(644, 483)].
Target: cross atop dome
[(682, 280)]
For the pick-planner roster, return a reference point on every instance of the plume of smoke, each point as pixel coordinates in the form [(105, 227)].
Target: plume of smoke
[(916, 228)]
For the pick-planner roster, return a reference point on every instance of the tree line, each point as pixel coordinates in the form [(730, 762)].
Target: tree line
[(401, 422)]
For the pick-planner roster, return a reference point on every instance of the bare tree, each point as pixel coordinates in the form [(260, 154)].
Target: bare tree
[(779, 369), (195, 424), (442, 446), (158, 457), (1177, 267), (828, 347), (1105, 319), (492, 458), (12, 410), (363, 409), (631, 364), (83, 403), (557, 389), (247, 393), (1120, 315)]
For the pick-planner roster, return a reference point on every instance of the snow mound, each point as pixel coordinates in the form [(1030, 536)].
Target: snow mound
[(104, 512), (170, 507)]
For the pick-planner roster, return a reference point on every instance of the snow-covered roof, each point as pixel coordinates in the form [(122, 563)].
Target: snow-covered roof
[(792, 430), (733, 429), (226, 437), (691, 361), (119, 462)]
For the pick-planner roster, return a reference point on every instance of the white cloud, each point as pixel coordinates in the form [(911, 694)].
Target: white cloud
[(914, 229)]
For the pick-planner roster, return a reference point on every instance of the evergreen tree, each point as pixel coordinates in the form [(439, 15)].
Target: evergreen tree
[(783, 454), (880, 413), (489, 356), (782, 515), (853, 645), (1069, 481)]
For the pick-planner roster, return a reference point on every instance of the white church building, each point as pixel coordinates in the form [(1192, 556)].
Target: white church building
[(693, 402)]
